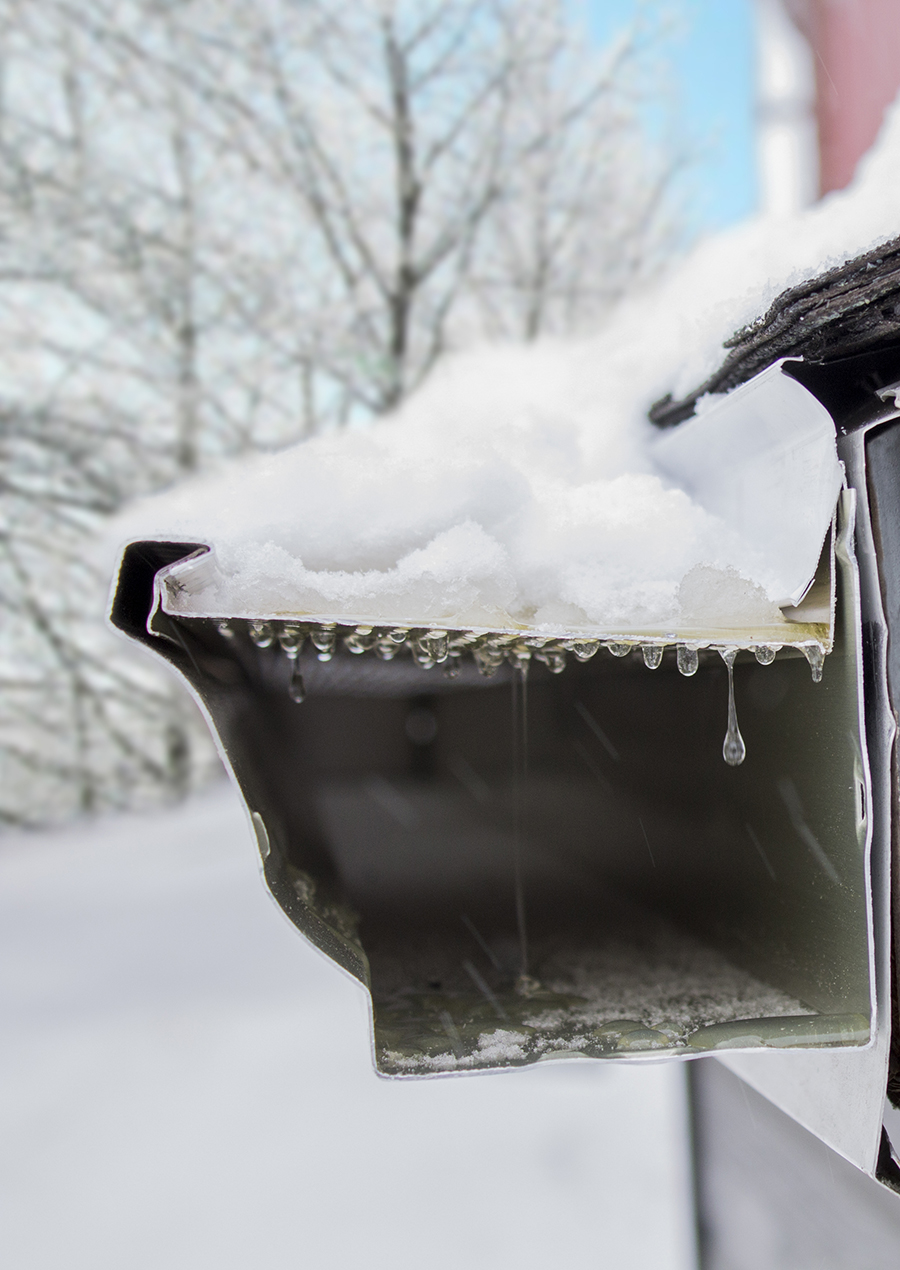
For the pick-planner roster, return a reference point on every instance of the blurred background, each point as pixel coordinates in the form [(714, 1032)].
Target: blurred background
[(225, 228)]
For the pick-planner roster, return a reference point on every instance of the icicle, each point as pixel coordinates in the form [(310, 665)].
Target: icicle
[(733, 750), (815, 655), (262, 634), (688, 659), (765, 653), (653, 655)]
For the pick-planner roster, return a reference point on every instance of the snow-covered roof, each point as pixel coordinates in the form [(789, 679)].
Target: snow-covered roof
[(520, 487)]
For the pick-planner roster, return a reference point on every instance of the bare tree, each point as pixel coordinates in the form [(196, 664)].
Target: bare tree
[(459, 167), (226, 226), (585, 212)]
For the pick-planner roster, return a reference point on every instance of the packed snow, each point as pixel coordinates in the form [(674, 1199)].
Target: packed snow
[(185, 1084), (519, 485)]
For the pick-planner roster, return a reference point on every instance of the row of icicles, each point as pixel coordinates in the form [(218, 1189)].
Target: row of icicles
[(435, 646)]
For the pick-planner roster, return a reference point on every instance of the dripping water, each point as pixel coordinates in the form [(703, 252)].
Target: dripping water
[(296, 687), (519, 777), (262, 634), (734, 751)]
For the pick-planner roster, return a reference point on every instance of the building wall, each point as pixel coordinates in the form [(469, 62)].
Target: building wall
[(787, 154), (856, 51)]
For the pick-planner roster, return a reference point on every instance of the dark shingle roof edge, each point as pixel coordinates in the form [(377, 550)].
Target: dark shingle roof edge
[(851, 309)]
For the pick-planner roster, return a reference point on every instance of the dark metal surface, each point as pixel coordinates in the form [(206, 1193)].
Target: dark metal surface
[(357, 821)]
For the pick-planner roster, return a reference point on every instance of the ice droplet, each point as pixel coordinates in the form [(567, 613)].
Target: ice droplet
[(323, 638), (554, 659), (422, 657), (734, 751), (519, 658), (815, 655), (296, 689), (688, 659), (399, 635), (262, 634), (291, 640), (584, 649), (488, 661), (360, 640), (653, 655), (434, 645), (226, 629), (765, 653), (619, 650)]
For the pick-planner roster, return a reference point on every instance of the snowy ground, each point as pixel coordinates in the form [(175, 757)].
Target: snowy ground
[(185, 1083)]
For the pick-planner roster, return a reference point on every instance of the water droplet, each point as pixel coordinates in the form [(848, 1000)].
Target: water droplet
[(399, 635), (296, 689), (584, 649), (323, 638), (360, 640), (487, 660), (765, 653), (434, 644), (422, 657), (619, 650), (734, 751), (452, 666), (815, 655), (226, 629), (386, 649), (653, 655), (554, 659), (291, 640), (519, 656), (262, 634), (688, 659)]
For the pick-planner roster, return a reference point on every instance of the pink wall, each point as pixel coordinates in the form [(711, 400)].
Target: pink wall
[(857, 48)]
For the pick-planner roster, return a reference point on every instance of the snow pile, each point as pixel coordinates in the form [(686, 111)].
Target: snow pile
[(519, 485), (192, 1084)]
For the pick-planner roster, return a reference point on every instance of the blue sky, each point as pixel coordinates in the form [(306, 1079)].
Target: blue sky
[(709, 50)]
